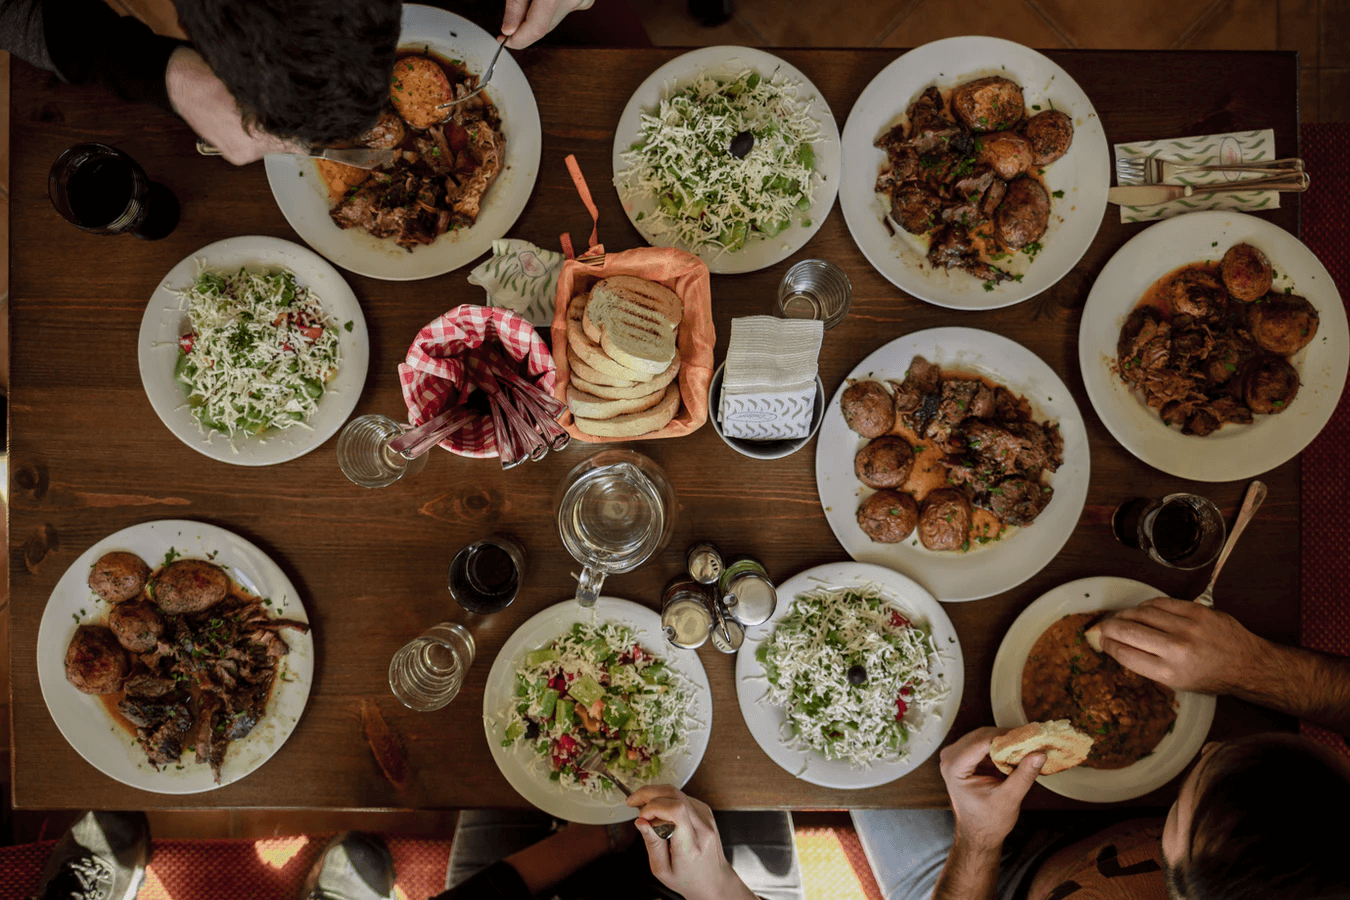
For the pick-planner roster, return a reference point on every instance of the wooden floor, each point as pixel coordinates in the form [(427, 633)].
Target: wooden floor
[(1318, 29)]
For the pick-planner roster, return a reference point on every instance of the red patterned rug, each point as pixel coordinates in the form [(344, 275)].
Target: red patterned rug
[(1325, 618)]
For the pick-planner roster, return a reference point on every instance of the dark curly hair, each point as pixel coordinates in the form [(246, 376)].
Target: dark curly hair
[(313, 70), (1269, 822)]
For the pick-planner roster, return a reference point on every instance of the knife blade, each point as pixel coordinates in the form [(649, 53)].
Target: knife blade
[(359, 157), (1153, 194)]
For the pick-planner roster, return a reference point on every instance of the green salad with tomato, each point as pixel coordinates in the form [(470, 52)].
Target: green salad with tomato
[(596, 687), (259, 353)]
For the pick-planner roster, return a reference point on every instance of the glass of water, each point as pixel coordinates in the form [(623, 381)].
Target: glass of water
[(364, 455), (427, 672), (814, 289), (616, 510)]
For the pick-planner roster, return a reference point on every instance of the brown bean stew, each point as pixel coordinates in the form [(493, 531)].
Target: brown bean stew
[(1125, 713)]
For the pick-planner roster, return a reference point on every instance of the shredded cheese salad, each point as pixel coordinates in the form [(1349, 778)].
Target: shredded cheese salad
[(706, 195), (596, 687), (259, 353), (854, 676)]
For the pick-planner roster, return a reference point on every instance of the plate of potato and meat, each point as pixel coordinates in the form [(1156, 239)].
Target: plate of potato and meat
[(464, 173), (956, 457), (175, 656)]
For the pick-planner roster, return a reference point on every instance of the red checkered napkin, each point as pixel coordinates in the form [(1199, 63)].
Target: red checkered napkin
[(434, 378)]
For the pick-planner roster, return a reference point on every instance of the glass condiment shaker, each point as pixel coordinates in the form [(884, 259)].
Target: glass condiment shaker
[(685, 616), (747, 592)]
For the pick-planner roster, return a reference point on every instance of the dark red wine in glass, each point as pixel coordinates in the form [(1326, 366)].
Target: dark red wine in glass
[(101, 190)]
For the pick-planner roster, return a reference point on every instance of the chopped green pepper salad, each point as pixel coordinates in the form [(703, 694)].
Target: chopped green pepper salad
[(726, 161), (854, 675), (259, 354), (596, 687)]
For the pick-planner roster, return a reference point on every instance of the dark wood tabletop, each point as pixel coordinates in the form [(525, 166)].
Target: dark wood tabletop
[(88, 456)]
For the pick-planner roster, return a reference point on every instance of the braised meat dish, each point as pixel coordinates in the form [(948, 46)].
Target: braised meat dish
[(1205, 356), (965, 173), (961, 460), (448, 159), (1064, 678), (188, 666)]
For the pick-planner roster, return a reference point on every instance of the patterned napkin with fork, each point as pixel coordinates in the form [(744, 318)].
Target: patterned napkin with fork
[(1230, 149)]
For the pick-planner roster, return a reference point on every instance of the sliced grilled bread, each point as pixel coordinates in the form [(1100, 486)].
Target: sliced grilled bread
[(591, 353), (589, 406), (627, 392), (634, 424), (634, 321), (1063, 745), (583, 372)]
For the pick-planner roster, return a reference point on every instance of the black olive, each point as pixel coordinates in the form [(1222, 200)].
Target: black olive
[(531, 729), (742, 144), (857, 675)]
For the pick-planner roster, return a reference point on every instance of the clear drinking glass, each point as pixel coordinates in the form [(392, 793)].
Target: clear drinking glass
[(616, 510), (364, 455), (485, 576), (1183, 531), (427, 672), (814, 289), (102, 190)]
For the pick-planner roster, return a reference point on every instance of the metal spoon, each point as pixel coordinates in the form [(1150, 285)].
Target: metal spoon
[(1256, 492), (482, 82)]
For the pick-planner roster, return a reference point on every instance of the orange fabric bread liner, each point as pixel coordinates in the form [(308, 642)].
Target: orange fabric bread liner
[(683, 273)]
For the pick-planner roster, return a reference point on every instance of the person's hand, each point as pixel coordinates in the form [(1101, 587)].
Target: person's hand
[(208, 106), (986, 806), (526, 21), (1186, 646), (691, 862)]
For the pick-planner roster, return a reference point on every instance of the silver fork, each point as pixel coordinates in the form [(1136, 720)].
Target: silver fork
[(1156, 170), (1256, 492), (594, 763), (482, 82)]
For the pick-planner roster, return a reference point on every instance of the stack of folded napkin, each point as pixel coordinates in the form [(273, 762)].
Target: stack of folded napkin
[(769, 385)]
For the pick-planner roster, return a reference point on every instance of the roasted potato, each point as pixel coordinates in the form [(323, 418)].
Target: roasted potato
[(189, 586), (419, 86), (118, 577)]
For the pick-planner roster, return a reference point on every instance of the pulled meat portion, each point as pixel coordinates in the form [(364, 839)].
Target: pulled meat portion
[(445, 169)]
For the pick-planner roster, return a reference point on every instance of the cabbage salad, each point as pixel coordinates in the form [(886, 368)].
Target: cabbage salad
[(259, 353), (854, 676), (726, 162), (596, 687)]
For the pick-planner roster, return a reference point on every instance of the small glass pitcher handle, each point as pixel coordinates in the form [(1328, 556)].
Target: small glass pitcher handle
[(588, 585)]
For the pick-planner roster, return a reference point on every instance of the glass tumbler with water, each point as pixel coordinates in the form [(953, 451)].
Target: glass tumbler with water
[(616, 510), (364, 455), (427, 672)]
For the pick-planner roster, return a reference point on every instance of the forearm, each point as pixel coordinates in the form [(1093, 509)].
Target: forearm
[(88, 42), (971, 872), (551, 860), (1308, 684)]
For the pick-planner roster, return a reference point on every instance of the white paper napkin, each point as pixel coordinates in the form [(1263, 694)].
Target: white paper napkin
[(1206, 150), (769, 383), (520, 277)]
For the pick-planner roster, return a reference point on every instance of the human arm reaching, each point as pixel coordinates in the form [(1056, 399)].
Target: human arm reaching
[(526, 21), (691, 861), (986, 807), (1189, 647)]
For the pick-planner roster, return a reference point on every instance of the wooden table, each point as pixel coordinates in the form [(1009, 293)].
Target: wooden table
[(88, 455)]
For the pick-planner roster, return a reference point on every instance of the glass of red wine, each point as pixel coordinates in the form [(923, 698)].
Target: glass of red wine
[(102, 190), (1183, 531)]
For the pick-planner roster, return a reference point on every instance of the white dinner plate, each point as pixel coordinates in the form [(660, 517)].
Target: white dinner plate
[(166, 319), (768, 723), (303, 197), (1083, 174), (1195, 712), (1234, 452), (986, 569), (84, 721), (729, 62), (523, 768)]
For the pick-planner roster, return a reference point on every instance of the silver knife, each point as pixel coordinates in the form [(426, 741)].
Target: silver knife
[(1153, 194), (360, 157)]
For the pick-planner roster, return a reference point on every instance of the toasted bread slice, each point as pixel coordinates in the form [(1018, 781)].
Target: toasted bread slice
[(611, 392), (1063, 745), (589, 406), (634, 424), (583, 372), (635, 321), (591, 353)]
